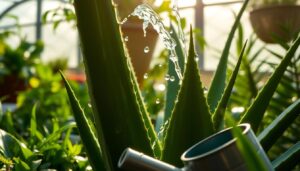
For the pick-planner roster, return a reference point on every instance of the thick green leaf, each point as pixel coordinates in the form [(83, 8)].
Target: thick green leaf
[(173, 86), (218, 116), (118, 115), (289, 159), (275, 130), (156, 144), (218, 83), (255, 112), (87, 135), (191, 120)]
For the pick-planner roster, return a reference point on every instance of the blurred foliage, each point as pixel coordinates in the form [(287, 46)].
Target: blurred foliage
[(46, 90), (21, 59), (252, 77)]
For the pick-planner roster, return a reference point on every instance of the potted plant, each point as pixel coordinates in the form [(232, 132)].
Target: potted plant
[(275, 20)]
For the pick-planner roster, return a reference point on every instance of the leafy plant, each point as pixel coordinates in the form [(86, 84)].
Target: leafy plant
[(121, 119), (38, 150)]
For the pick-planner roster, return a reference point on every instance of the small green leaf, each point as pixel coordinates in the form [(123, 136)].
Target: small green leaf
[(20, 165), (275, 130), (289, 159), (33, 127), (218, 116), (190, 121), (219, 80), (10, 146), (255, 112)]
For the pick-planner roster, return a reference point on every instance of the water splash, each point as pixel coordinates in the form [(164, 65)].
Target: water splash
[(147, 14), (174, 7)]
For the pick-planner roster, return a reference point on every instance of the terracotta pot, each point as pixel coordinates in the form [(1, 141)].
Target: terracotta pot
[(10, 86), (276, 22), (133, 30)]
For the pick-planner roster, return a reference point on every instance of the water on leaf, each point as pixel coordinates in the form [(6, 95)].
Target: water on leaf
[(167, 77), (172, 79)]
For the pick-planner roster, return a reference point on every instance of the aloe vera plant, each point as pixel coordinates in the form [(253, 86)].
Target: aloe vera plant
[(121, 119)]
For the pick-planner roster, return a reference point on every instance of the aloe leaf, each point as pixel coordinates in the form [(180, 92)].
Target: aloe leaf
[(255, 112), (156, 144), (113, 92), (173, 86), (191, 120), (218, 83), (289, 159), (218, 116), (86, 132), (275, 130)]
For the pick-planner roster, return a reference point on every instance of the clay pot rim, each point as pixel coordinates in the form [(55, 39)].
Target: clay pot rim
[(273, 6)]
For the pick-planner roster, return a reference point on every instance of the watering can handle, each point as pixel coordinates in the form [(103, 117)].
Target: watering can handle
[(133, 160)]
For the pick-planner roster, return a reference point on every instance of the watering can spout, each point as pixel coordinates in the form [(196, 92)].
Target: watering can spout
[(133, 160)]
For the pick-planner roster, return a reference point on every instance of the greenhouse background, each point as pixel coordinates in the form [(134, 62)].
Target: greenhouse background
[(63, 42)]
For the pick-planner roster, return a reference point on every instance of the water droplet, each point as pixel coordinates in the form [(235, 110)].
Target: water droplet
[(171, 32), (197, 59), (146, 76), (146, 49), (205, 90), (124, 21), (167, 77), (89, 105), (172, 79), (160, 65), (126, 38), (157, 101)]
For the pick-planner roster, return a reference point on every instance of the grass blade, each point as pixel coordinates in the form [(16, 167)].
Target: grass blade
[(218, 116), (190, 121), (289, 159), (255, 112), (218, 83), (117, 112), (86, 132), (275, 130)]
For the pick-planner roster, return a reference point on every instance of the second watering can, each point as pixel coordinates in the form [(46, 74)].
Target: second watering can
[(218, 152)]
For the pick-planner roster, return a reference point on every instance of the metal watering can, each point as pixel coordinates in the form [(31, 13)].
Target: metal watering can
[(218, 152)]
